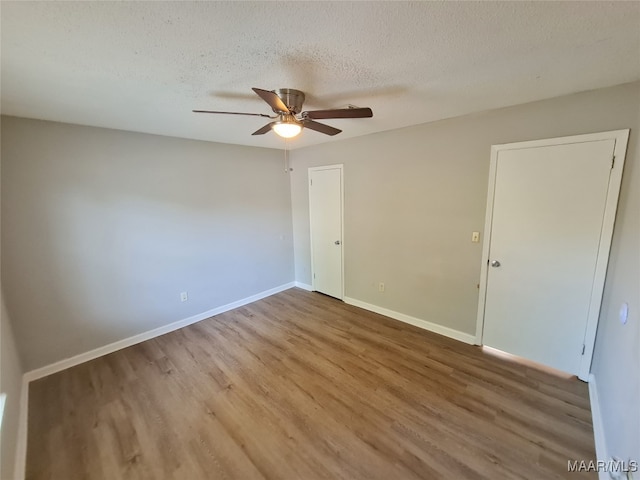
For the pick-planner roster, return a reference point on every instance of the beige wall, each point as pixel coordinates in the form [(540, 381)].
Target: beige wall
[(413, 196), (102, 230)]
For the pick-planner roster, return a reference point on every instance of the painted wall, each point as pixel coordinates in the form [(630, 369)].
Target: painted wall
[(10, 384), (102, 230), (413, 197), (616, 361)]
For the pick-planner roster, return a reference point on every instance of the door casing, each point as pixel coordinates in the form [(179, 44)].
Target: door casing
[(621, 138)]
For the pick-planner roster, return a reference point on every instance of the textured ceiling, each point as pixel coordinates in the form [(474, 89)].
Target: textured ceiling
[(143, 66)]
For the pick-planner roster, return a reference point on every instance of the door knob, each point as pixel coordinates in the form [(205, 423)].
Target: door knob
[(495, 264), (337, 242)]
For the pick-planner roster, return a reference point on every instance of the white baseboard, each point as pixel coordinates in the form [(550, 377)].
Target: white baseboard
[(38, 373), (21, 447), (432, 327), (304, 286), (598, 425), (141, 337), (21, 441)]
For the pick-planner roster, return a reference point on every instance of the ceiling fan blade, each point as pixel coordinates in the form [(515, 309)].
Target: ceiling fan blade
[(233, 113), (274, 101), (339, 113), (263, 130), (320, 127)]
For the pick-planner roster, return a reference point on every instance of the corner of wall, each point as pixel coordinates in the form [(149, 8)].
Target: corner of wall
[(19, 469), (13, 385), (598, 427)]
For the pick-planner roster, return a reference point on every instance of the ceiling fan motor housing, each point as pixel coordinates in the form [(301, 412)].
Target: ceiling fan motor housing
[(291, 98)]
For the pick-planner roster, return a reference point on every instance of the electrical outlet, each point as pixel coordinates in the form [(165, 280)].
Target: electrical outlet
[(184, 297), (381, 287)]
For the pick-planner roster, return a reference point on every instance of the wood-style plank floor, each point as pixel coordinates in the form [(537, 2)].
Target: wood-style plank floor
[(302, 386)]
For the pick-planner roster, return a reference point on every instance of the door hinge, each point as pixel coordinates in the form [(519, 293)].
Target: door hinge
[(613, 161), (583, 348), (314, 275), (311, 182)]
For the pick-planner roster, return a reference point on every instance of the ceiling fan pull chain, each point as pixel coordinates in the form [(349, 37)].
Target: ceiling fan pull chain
[(286, 155)]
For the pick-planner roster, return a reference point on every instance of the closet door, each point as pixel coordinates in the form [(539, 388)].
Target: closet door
[(325, 213), (545, 251)]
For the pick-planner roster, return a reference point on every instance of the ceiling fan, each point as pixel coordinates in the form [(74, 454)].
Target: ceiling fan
[(286, 103)]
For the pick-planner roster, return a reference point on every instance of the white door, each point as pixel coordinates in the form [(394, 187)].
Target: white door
[(325, 212), (545, 249)]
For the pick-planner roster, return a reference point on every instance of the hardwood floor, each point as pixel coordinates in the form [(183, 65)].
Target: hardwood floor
[(302, 386)]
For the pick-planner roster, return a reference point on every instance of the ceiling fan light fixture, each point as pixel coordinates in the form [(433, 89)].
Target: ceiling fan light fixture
[(286, 103), (287, 127)]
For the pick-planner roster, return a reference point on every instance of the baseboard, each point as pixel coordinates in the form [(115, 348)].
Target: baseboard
[(141, 337), (598, 425), (432, 327), (21, 441), (304, 286), (21, 447)]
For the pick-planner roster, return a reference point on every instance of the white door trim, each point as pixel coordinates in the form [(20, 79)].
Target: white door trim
[(621, 138), (316, 169)]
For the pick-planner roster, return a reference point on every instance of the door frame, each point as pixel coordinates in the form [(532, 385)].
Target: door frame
[(340, 167), (621, 138)]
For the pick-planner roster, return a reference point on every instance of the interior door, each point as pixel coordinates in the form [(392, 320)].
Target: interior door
[(548, 209), (325, 212)]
